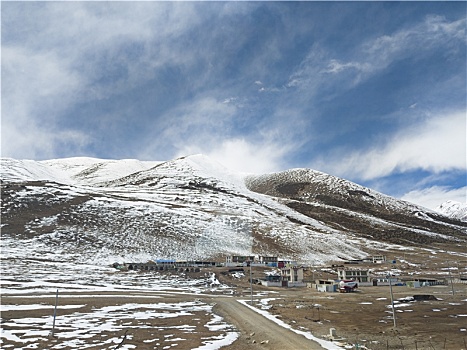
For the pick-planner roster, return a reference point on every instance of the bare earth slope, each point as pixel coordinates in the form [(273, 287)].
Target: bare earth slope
[(192, 208), (349, 207)]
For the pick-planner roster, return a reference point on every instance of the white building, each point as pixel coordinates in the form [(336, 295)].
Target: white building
[(268, 260), (236, 260), (360, 275), (292, 276)]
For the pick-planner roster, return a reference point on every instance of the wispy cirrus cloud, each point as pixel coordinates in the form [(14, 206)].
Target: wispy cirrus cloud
[(432, 197), (436, 145), (77, 53), (210, 126), (432, 32), (258, 86), (36, 88), (377, 54), (335, 66)]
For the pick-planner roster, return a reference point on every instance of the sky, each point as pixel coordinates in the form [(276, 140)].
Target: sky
[(373, 92)]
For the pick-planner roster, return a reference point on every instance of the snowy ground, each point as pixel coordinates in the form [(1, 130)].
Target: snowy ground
[(84, 329), (99, 307), (97, 304)]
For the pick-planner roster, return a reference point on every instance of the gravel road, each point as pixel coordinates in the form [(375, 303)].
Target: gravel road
[(258, 332)]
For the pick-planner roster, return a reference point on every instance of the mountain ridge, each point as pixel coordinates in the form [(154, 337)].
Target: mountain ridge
[(191, 206), (453, 209)]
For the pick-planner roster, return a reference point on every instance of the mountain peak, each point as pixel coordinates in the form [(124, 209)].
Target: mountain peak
[(114, 210), (453, 209)]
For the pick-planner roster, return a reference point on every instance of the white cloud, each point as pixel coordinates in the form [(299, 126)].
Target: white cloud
[(193, 127), (200, 119), (208, 126), (433, 32), (436, 145), (57, 55), (335, 66), (242, 156), (434, 196), (38, 86), (377, 54)]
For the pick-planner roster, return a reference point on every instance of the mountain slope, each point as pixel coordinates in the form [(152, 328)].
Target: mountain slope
[(192, 208), (454, 210), (350, 207)]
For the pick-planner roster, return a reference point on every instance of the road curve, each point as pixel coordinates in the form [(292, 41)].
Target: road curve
[(258, 332)]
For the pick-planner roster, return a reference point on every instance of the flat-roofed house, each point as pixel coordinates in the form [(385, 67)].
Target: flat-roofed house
[(268, 260), (360, 275), (292, 276)]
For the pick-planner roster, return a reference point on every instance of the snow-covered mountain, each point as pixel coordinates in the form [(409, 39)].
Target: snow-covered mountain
[(101, 211), (453, 209)]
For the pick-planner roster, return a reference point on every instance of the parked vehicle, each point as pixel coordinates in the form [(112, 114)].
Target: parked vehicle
[(346, 286)]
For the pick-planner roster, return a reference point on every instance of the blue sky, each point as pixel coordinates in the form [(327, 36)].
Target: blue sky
[(374, 92)]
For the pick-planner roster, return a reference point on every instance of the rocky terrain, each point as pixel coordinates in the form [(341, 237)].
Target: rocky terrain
[(64, 222), (103, 211), (453, 209)]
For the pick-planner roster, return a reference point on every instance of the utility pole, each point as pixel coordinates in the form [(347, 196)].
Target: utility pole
[(450, 278), (251, 284), (392, 302), (55, 314)]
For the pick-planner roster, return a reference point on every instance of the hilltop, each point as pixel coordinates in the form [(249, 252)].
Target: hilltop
[(101, 211)]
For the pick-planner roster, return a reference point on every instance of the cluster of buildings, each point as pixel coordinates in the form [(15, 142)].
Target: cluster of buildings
[(349, 275), (166, 265), (290, 274)]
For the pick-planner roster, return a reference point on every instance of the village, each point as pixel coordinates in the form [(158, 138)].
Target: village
[(398, 299), (342, 276)]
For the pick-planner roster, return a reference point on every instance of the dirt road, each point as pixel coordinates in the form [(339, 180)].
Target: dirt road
[(147, 331), (258, 332)]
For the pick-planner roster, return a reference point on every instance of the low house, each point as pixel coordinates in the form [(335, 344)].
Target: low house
[(234, 260), (292, 276), (425, 281), (324, 285), (376, 259), (272, 281), (360, 275), (268, 260), (327, 288), (284, 263), (353, 262), (384, 281), (413, 284)]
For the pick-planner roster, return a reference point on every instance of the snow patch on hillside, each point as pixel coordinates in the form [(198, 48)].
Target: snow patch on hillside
[(453, 209), (187, 208), (76, 171)]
